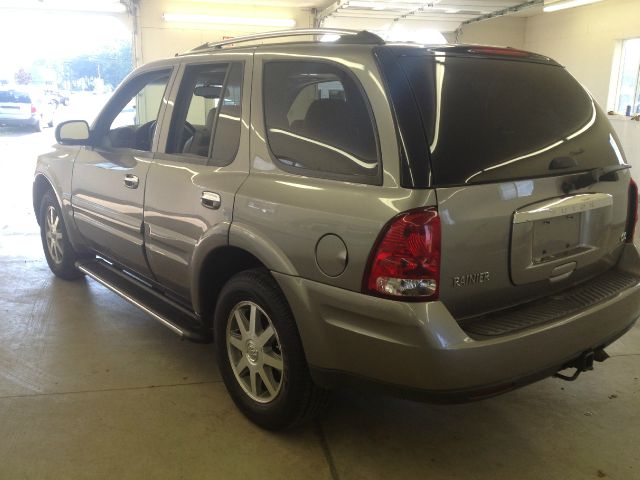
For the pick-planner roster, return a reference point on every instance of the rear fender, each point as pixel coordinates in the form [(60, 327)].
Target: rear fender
[(246, 238)]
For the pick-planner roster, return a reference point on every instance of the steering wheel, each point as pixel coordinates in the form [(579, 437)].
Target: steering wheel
[(188, 132), (189, 129), (143, 135), (151, 126)]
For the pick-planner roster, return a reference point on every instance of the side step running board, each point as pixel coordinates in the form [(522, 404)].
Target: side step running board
[(164, 310)]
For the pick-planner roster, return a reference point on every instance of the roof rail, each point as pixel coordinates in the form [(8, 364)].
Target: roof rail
[(347, 36)]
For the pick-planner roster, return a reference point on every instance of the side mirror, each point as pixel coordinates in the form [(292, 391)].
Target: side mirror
[(73, 132)]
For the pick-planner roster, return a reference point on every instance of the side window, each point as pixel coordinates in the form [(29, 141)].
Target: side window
[(208, 101), (318, 121), (131, 119)]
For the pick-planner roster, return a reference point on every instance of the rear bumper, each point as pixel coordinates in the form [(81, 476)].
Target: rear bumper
[(419, 347), (18, 120)]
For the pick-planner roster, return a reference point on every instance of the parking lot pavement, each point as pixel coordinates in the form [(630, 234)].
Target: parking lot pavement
[(19, 148), (92, 387), (18, 152)]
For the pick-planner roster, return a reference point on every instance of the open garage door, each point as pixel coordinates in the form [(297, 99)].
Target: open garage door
[(60, 60)]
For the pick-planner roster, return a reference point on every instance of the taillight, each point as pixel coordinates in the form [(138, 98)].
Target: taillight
[(33, 108), (632, 211), (405, 262)]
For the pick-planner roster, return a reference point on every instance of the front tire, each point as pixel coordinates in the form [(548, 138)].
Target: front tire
[(55, 242), (260, 354)]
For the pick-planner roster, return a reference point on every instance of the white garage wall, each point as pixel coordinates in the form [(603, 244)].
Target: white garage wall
[(160, 39), (584, 40), (503, 31)]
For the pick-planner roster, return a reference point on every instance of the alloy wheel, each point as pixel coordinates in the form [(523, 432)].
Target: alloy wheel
[(254, 352), (53, 234)]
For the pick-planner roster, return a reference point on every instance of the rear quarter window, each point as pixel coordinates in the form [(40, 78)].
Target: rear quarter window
[(319, 122), (12, 96), (488, 119)]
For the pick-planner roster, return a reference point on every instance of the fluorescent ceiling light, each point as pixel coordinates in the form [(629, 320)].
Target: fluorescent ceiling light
[(564, 4), (200, 18)]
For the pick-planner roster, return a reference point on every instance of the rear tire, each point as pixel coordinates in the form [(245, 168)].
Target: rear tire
[(38, 125), (262, 360), (55, 241)]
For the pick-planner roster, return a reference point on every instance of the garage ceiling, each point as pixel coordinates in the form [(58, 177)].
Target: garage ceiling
[(392, 19), (442, 15)]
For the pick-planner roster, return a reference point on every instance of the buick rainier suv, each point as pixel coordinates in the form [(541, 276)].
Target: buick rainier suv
[(446, 222)]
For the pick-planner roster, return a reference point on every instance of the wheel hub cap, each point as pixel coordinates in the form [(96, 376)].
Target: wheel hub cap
[(252, 352)]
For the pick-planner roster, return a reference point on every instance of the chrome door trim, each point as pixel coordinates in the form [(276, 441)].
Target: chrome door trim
[(131, 181), (562, 206), (210, 200)]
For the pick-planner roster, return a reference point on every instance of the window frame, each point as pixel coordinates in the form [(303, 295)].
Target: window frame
[(225, 84), (617, 80), (376, 179), (102, 124), (183, 109)]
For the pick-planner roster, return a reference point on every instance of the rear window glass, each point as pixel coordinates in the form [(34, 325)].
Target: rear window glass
[(318, 121), (12, 96), (494, 119)]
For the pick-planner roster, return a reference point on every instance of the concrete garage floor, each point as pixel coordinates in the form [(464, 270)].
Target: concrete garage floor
[(90, 387)]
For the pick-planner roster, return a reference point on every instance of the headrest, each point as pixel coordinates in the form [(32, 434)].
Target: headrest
[(326, 110)]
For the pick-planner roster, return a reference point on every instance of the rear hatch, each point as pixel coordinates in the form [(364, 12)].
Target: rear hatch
[(14, 103), (531, 183)]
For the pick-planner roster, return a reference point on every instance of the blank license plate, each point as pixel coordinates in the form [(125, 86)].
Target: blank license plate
[(555, 237)]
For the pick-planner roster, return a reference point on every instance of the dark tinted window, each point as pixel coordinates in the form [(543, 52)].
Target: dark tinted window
[(12, 96), (494, 119), (318, 121)]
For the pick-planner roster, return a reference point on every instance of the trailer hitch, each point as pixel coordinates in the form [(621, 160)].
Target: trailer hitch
[(583, 363)]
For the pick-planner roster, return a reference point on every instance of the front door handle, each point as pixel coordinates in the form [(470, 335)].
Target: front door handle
[(131, 181), (210, 200)]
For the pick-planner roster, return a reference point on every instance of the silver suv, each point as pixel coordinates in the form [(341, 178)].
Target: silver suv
[(447, 222), (24, 107)]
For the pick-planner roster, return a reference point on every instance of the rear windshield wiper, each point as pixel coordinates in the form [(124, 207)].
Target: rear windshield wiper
[(592, 176)]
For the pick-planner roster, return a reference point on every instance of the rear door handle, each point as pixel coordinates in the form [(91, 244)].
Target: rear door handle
[(131, 181), (210, 200)]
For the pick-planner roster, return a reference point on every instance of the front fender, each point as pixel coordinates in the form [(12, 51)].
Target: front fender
[(54, 170)]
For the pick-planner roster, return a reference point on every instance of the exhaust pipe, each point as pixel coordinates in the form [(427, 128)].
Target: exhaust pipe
[(583, 363)]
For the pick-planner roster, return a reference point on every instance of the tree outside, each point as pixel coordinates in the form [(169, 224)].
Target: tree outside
[(100, 71), (22, 77)]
